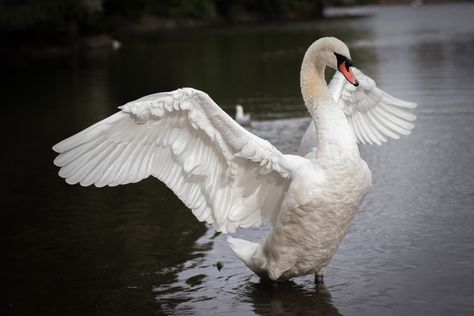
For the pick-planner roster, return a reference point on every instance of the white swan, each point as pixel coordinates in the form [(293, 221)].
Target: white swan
[(241, 117), (229, 177)]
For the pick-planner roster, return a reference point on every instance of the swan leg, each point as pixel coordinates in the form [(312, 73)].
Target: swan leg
[(319, 279)]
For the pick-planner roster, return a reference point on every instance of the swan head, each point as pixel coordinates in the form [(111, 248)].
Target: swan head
[(335, 54)]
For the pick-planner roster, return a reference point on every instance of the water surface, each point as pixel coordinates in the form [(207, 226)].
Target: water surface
[(137, 250)]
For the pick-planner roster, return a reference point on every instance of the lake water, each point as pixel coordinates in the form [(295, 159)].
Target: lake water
[(136, 250)]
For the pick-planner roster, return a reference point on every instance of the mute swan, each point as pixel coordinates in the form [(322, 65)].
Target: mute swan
[(240, 117), (229, 177)]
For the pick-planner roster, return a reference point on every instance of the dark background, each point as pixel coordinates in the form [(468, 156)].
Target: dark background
[(137, 250)]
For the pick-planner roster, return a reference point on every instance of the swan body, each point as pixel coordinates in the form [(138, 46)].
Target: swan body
[(241, 117), (229, 177)]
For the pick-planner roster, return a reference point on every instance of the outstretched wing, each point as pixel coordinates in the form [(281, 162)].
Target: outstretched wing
[(227, 176), (373, 114)]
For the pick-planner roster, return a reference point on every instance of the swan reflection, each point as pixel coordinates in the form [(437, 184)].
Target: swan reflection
[(290, 298)]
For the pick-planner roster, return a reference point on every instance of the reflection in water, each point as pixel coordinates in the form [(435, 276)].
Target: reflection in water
[(197, 286), (289, 298), (179, 284), (136, 250)]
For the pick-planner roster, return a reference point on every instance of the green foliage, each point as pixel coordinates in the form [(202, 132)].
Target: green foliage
[(124, 8), (352, 2), (193, 9), (232, 9), (47, 15), (75, 17)]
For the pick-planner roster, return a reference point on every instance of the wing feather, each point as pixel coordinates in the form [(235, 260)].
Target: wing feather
[(371, 133), (373, 114), (377, 136), (391, 122)]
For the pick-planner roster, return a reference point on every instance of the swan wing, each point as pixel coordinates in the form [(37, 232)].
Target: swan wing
[(226, 175), (373, 114)]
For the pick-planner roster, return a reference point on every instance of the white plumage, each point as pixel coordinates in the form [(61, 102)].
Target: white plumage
[(229, 177)]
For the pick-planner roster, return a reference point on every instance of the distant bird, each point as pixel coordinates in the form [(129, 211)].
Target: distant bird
[(416, 3), (242, 118), (116, 44), (229, 177)]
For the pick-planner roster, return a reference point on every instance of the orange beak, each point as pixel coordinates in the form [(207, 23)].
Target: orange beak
[(347, 72)]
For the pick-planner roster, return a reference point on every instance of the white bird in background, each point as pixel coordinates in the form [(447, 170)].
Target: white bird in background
[(229, 177), (116, 44), (242, 118), (416, 3)]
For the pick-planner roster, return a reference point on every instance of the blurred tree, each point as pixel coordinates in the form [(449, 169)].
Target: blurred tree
[(21, 15), (124, 8), (193, 9), (238, 9), (71, 18)]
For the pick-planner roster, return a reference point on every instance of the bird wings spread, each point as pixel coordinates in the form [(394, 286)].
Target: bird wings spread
[(373, 114), (227, 176)]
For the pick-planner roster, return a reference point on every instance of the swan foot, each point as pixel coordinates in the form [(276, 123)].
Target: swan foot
[(319, 278)]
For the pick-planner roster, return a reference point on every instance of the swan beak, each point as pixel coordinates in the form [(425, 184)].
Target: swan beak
[(347, 72)]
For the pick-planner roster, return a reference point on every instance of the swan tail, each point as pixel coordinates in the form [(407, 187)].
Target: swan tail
[(243, 249)]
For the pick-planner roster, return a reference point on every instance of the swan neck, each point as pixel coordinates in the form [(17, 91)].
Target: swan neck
[(334, 135), (313, 83), (335, 139)]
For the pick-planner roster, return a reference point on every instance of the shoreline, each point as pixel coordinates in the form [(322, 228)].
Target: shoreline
[(72, 42), (67, 44)]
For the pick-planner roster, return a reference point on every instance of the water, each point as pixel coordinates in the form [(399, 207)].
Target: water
[(136, 250)]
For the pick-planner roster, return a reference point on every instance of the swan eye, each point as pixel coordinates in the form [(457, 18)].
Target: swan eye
[(348, 63), (343, 59)]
